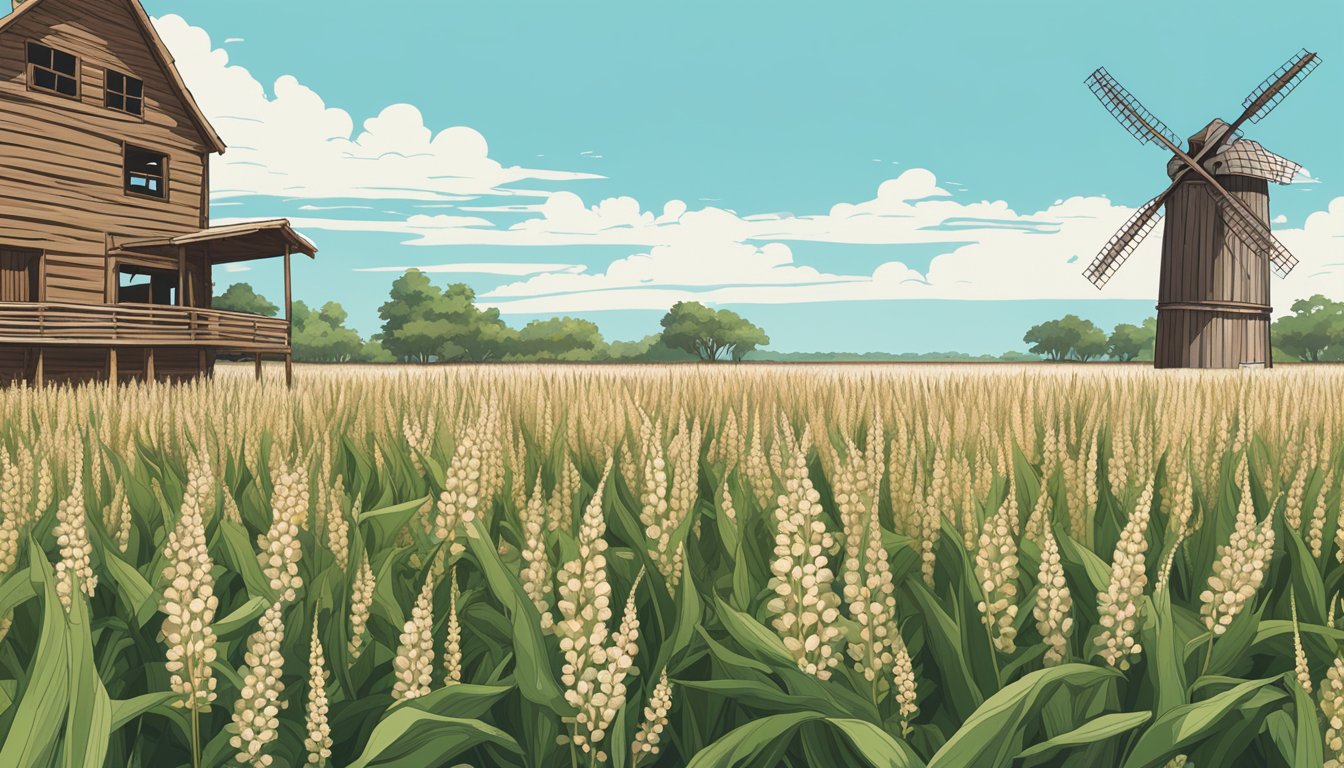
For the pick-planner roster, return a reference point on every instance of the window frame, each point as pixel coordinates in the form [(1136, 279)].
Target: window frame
[(108, 72), (126, 147), (29, 68)]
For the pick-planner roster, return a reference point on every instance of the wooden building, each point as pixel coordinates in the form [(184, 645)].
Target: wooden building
[(106, 248), (1213, 307)]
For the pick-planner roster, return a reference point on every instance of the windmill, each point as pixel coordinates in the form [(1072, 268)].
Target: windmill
[(1213, 306)]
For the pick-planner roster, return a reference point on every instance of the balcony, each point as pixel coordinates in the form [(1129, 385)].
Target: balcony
[(48, 324)]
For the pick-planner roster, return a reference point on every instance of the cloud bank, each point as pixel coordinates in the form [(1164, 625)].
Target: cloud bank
[(289, 143)]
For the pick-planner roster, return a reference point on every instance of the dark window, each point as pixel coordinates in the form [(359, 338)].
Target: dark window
[(146, 172), (53, 70), (125, 93)]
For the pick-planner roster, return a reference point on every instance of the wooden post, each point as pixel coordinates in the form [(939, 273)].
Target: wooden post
[(289, 326), (112, 365), (149, 364), (258, 365), (181, 275), (38, 373), (200, 361)]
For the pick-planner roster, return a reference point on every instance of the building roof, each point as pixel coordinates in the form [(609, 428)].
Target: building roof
[(160, 51), (244, 241)]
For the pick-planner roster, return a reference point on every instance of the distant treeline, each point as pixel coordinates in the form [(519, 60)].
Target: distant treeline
[(423, 323), (1314, 332)]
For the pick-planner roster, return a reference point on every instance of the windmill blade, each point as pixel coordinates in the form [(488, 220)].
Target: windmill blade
[(1126, 109), (1254, 233), (1278, 85), (1125, 241)]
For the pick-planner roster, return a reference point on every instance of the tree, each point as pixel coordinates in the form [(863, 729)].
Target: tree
[(241, 298), (322, 336), (1315, 330), (708, 333), (1068, 336), (422, 323), (1133, 342), (559, 338)]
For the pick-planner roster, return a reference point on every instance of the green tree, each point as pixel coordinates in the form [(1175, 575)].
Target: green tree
[(1315, 330), (559, 338), (422, 323), (709, 334), (1133, 342), (1069, 336), (322, 336), (241, 298)]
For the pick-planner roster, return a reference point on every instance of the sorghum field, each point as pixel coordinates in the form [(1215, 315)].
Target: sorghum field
[(713, 566)]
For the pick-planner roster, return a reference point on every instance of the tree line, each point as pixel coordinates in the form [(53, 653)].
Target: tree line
[(1314, 332), (422, 323)]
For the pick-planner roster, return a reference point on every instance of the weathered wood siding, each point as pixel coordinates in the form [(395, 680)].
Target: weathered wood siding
[(77, 365), (61, 159), (1203, 265)]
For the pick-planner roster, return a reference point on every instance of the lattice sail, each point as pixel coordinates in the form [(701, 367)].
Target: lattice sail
[(1278, 85), (1126, 109), (1124, 242), (1248, 158), (1253, 232)]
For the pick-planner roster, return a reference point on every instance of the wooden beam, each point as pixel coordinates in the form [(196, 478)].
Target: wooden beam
[(149, 364), (257, 358), (289, 324), (38, 373), (112, 365), (289, 304), (181, 275)]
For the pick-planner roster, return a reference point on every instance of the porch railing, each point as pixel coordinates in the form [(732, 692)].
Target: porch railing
[(139, 325)]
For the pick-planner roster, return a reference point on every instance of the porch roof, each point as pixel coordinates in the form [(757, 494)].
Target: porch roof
[(244, 241)]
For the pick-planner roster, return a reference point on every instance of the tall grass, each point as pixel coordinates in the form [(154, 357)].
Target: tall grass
[(523, 566)]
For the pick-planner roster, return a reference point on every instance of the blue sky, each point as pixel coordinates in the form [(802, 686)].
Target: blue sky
[(740, 148)]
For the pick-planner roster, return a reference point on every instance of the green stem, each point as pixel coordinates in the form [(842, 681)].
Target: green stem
[(993, 656), (1208, 655), (195, 738)]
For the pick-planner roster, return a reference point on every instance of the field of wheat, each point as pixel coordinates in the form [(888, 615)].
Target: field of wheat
[(706, 566)]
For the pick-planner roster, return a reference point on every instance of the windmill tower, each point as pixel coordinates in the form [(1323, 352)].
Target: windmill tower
[(1213, 306)]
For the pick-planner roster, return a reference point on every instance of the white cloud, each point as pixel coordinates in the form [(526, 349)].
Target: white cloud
[(994, 253), (1280, 219), (519, 269), (292, 144)]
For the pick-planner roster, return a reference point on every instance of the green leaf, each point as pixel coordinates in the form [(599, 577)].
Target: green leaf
[(764, 735), (993, 734), (1093, 731), (1165, 650), (944, 643), (756, 640), (1307, 740), (413, 738), (89, 714), (460, 700), (1307, 583), (536, 678), (384, 522), (241, 618), (688, 618), (875, 745), (764, 697), (44, 702), (239, 555), (132, 588), (126, 710), (1176, 731)]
